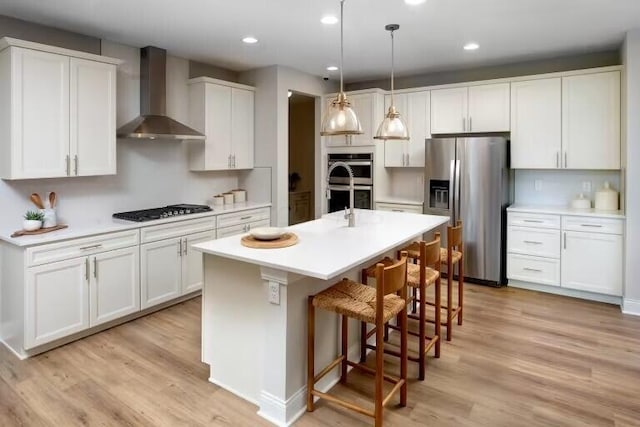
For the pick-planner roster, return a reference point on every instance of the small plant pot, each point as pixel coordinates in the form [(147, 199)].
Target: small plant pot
[(31, 225)]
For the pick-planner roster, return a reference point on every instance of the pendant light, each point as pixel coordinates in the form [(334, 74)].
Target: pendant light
[(339, 118), (392, 127)]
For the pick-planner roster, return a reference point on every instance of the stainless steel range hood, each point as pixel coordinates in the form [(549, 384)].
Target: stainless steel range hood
[(153, 122)]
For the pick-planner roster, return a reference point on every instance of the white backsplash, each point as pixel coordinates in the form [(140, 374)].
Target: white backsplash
[(406, 183), (559, 187)]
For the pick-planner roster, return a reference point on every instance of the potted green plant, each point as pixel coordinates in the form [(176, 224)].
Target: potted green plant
[(32, 220)]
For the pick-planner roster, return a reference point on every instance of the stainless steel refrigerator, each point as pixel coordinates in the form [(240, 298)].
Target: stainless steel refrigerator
[(468, 179)]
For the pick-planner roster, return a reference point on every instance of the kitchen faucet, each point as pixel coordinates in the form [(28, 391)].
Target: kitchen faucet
[(350, 216)]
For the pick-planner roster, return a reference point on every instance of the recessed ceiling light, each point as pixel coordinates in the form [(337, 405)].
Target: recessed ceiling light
[(414, 2), (332, 68), (471, 46), (329, 20), (250, 40)]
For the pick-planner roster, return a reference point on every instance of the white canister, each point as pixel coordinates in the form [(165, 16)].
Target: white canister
[(50, 219), (218, 200), (606, 198), (228, 198), (581, 202), (239, 196)]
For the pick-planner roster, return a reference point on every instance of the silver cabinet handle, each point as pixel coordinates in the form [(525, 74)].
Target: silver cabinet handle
[(536, 221), (464, 124), (591, 225), (532, 269), (86, 248), (244, 218), (186, 247), (180, 247), (533, 242), (75, 164), (229, 161), (248, 227), (397, 210), (86, 269), (565, 159), (95, 267), (470, 124), (557, 159), (565, 240), (68, 167)]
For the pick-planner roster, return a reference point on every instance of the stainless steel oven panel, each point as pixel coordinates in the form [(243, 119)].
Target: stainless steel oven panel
[(344, 180), (363, 197)]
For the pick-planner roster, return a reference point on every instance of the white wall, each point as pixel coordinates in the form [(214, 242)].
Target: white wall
[(631, 153), (150, 173)]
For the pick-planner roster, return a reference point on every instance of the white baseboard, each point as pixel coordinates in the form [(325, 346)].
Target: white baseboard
[(234, 391), (631, 306), (609, 299)]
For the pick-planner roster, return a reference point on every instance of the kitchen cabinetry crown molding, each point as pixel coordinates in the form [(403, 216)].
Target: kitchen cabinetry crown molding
[(220, 83), (6, 42)]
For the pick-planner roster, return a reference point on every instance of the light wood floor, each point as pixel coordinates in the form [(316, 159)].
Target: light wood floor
[(520, 359)]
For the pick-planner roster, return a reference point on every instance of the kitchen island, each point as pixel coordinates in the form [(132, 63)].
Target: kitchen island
[(254, 303)]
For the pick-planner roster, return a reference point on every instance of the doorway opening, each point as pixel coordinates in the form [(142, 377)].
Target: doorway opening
[(302, 117)]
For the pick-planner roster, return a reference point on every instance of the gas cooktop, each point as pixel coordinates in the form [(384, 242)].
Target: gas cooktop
[(159, 213)]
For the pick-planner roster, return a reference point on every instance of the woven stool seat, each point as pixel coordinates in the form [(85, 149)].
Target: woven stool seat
[(357, 301), (413, 275), (455, 256)]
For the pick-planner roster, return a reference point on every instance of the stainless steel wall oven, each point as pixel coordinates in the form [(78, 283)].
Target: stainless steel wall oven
[(362, 166)]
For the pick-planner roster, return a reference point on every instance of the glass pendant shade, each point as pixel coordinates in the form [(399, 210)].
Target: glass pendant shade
[(392, 127), (340, 119)]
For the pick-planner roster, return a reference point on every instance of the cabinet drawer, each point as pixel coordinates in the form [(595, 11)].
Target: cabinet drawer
[(176, 229), (534, 220), (397, 207), (234, 230), (81, 247), (243, 217), (545, 271), (534, 241), (592, 225)]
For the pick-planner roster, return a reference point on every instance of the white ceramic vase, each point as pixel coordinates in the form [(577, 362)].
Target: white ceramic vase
[(31, 224)]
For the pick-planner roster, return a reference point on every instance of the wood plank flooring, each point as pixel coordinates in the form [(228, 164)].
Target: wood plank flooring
[(521, 358)]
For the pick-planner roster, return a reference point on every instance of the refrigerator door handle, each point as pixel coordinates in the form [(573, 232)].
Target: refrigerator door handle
[(457, 194), (452, 190)]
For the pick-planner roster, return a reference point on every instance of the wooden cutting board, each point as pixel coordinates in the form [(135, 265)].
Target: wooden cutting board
[(38, 231), (287, 239)]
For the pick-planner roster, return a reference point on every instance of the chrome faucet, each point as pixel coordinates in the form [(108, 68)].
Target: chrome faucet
[(350, 216)]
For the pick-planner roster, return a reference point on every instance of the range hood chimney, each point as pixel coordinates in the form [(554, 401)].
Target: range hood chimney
[(153, 122)]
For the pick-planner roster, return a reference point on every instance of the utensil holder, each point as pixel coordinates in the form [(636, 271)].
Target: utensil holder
[(50, 218)]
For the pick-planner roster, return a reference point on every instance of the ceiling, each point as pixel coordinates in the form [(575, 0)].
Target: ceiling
[(430, 38)]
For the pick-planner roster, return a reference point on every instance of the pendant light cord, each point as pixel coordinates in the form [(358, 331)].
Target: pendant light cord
[(392, 62), (341, 43)]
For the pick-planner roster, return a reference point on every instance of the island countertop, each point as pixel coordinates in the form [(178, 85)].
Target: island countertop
[(327, 247)]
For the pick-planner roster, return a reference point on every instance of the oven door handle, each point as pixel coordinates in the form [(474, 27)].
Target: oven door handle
[(352, 163), (346, 187)]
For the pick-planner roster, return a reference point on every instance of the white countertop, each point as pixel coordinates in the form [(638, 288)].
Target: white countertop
[(564, 210), (327, 247), (111, 225), (399, 200)]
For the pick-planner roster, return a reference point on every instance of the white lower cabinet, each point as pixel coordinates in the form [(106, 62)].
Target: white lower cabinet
[(193, 273), (573, 252), (398, 207), (235, 230)]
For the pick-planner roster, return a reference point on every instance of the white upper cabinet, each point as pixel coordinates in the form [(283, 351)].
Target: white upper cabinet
[(367, 107), (591, 121), (489, 108), (414, 108), (482, 108), (536, 124), (57, 112), (449, 110), (224, 112)]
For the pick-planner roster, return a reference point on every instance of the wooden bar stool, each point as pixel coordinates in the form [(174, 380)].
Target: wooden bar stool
[(364, 303), (427, 255), (452, 255)]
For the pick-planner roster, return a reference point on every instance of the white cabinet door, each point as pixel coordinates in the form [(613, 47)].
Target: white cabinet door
[(395, 152), (192, 272), (217, 127), (364, 108), (40, 103), (489, 108), (242, 133), (536, 124), (93, 118), (418, 106), (592, 262), (591, 121), (115, 285), (56, 301), (449, 110), (160, 271)]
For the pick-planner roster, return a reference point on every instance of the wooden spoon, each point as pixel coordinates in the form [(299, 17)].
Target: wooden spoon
[(52, 199), (35, 198)]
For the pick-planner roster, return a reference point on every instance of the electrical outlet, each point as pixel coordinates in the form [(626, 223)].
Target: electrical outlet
[(538, 184), (274, 293), (586, 186)]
